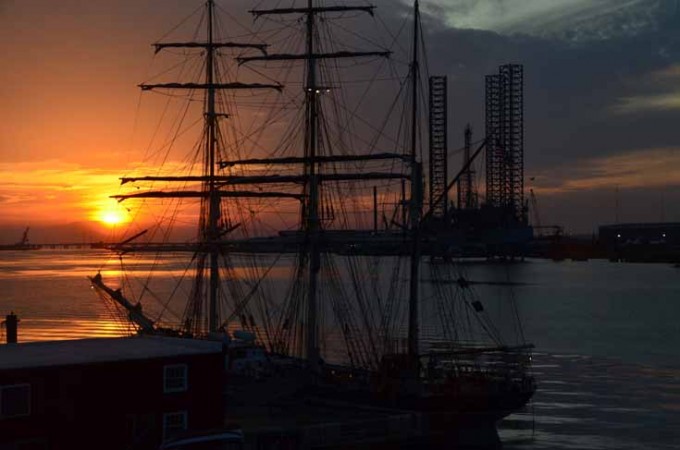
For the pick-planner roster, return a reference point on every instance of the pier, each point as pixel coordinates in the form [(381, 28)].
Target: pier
[(70, 245)]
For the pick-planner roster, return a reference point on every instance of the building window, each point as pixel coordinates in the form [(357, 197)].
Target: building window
[(174, 423), (15, 400), (175, 378)]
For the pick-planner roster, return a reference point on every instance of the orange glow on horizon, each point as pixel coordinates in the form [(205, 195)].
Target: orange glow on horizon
[(639, 169)]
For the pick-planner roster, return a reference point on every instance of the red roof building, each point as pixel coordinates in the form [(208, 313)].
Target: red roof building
[(121, 393)]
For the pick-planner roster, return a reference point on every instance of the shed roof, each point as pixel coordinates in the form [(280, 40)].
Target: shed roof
[(86, 351)]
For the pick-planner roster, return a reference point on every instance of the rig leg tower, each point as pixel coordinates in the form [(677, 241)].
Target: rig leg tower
[(438, 147), (505, 142)]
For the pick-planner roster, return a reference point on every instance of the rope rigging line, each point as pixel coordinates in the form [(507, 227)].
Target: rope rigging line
[(519, 329), (265, 303), (391, 311), (174, 291), (366, 311), (369, 307), (357, 349), (185, 20), (117, 313), (357, 35)]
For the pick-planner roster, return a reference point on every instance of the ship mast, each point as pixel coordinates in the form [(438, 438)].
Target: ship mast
[(213, 198), (312, 223), (310, 257), (210, 193), (415, 203)]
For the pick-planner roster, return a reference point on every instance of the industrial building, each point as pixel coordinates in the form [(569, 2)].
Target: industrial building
[(643, 242)]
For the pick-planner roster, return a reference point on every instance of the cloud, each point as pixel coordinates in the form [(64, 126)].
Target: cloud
[(590, 65), (53, 191), (663, 96), (667, 74), (642, 169), (648, 103), (579, 87), (571, 20)]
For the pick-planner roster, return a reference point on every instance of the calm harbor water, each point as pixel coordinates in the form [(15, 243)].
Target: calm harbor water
[(607, 340)]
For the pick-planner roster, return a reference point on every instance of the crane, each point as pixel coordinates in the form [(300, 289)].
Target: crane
[(536, 220)]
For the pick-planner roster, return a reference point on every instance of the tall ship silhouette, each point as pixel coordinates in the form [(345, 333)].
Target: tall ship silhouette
[(310, 258)]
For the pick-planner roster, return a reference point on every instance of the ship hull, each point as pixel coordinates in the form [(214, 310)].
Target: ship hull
[(488, 404)]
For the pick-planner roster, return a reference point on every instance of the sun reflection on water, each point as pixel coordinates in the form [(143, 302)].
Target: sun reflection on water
[(35, 330)]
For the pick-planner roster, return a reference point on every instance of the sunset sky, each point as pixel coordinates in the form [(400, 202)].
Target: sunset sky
[(602, 101)]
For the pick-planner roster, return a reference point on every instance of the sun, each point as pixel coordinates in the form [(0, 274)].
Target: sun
[(111, 217), (112, 214)]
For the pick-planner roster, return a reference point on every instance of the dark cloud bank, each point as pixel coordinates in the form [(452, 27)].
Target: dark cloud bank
[(574, 92)]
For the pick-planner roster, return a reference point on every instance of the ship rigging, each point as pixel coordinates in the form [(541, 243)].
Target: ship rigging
[(328, 292)]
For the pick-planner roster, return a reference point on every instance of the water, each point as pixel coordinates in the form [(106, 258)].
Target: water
[(607, 339), (588, 402), (50, 293)]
